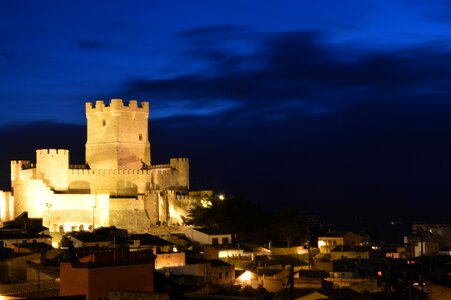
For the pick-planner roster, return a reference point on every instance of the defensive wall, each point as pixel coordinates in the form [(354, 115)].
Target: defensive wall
[(6, 206), (131, 182)]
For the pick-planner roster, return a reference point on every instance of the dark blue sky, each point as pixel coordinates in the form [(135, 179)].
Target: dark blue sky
[(331, 102)]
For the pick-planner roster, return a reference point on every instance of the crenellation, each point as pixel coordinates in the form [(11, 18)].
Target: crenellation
[(117, 104), (133, 104), (100, 105), (52, 151), (182, 197), (165, 166)]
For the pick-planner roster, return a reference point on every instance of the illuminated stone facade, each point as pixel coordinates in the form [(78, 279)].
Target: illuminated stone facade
[(117, 186)]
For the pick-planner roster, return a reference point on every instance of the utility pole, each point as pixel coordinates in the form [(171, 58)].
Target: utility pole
[(49, 206), (39, 286), (422, 264)]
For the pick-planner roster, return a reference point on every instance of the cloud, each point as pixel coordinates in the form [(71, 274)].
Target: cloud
[(299, 70)]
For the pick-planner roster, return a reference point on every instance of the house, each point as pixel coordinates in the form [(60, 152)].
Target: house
[(23, 230), (145, 240), (272, 278), (100, 237), (167, 260), (208, 236), (215, 271), (396, 252), (328, 241), (102, 272), (350, 252), (445, 250)]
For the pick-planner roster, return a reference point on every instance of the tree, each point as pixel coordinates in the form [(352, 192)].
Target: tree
[(249, 221), (289, 226)]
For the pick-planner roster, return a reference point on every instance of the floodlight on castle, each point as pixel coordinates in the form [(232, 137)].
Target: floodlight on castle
[(117, 186)]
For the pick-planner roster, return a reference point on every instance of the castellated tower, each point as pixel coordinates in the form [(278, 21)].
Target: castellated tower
[(52, 166), (117, 136), (119, 188)]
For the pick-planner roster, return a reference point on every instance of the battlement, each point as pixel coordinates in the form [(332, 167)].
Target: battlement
[(182, 197), (165, 171), (22, 164), (52, 151), (117, 104), (180, 159)]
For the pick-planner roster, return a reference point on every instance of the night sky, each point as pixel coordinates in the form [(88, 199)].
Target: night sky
[(341, 108)]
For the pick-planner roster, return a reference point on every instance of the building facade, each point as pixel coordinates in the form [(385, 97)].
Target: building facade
[(117, 185)]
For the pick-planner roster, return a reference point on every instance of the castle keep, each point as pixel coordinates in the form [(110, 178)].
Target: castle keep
[(118, 185)]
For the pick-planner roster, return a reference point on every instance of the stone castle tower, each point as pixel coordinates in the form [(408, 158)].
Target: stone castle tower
[(118, 185), (117, 135)]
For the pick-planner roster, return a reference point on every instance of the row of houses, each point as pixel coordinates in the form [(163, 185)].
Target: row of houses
[(193, 261)]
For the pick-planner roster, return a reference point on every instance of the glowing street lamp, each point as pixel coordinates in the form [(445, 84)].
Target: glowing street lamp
[(49, 206), (93, 216)]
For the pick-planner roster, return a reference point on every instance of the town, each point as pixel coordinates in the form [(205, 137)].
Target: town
[(119, 227)]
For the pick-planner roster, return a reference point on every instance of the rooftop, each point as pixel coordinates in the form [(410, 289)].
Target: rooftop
[(210, 231), (148, 239)]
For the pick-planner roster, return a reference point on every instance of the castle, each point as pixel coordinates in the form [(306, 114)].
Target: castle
[(118, 185)]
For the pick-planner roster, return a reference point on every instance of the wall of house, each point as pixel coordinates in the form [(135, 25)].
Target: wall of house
[(15, 269), (197, 236), (326, 244), (438, 292), (221, 275), (335, 255), (352, 239), (166, 260), (206, 239), (96, 283)]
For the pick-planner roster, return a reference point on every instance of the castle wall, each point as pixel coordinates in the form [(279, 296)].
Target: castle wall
[(117, 135), (180, 178), (130, 213), (17, 166), (6, 206), (52, 166), (130, 182), (31, 195), (72, 210)]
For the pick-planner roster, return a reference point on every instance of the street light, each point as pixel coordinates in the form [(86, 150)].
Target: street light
[(49, 206), (93, 216)]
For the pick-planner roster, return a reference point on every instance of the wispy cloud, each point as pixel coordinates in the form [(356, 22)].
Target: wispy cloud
[(283, 69)]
